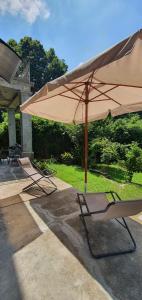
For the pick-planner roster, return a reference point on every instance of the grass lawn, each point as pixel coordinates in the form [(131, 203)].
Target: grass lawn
[(98, 183)]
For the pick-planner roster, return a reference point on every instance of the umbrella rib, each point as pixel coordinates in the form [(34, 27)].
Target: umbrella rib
[(78, 104), (114, 87), (119, 85), (99, 100), (91, 76), (104, 94), (79, 97), (107, 83), (90, 82), (60, 94), (82, 83), (74, 87), (72, 98), (79, 82)]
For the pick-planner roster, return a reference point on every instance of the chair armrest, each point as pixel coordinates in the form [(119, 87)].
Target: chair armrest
[(99, 211), (31, 174), (50, 172)]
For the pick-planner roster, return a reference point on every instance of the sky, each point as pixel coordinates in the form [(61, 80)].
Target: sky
[(77, 29)]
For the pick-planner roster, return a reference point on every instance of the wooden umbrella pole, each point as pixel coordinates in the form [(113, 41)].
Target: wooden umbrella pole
[(86, 137)]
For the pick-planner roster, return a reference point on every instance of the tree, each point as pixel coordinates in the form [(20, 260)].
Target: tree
[(55, 67), (44, 65)]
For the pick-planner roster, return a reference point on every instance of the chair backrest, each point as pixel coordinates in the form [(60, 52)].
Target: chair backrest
[(25, 162), (27, 166), (123, 209)]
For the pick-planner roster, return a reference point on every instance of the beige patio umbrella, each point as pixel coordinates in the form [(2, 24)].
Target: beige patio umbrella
[(108, 83)]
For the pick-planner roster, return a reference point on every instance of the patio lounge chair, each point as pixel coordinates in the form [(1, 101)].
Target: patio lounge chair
[(36, 175), (99, 208)]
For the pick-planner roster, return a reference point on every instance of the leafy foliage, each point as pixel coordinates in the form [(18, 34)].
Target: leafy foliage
[(67, 158), (96, 149), (50, 139), (102, 150), (133, 160), (4, 134), (110, 153)]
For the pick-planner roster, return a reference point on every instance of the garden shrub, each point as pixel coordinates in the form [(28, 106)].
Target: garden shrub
[(121, 150), (96, 150), (133, 160), (4, 139), (104, 151), (40, 163), (67, 158), (76, 134), (50, 139), (4, 135), (110, 140), (110, 153)]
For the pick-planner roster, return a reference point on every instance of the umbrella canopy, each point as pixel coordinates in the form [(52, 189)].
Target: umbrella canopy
[(9, 61), (109, 83)]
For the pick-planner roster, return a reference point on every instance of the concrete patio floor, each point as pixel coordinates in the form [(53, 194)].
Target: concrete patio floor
[(10, 172), (44, 254)]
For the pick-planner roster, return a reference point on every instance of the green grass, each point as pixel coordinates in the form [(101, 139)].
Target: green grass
[(98, 183)]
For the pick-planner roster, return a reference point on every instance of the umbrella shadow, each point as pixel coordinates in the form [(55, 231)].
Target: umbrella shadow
[(80, 169), (137, 184), (113, 173), (60, 211), (110, 172)]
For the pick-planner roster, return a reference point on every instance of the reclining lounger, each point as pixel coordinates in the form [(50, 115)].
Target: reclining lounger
[(35, 174), (97, 206)]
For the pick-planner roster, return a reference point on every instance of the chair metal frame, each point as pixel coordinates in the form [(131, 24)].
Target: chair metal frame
[(49, 173), (115, 197)]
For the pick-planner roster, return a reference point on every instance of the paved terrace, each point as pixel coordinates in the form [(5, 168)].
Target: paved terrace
[(43, 252)]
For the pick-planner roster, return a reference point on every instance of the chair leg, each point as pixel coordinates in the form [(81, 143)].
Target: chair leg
[(45, 190), (108, 254), (28, 186), (50, 181), (40, 187)]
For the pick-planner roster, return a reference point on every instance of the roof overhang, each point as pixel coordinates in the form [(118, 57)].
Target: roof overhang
[(9, 61)]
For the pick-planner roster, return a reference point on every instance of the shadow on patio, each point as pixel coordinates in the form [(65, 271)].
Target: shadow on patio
[(17, 229), (10, 172), (121, 276)]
